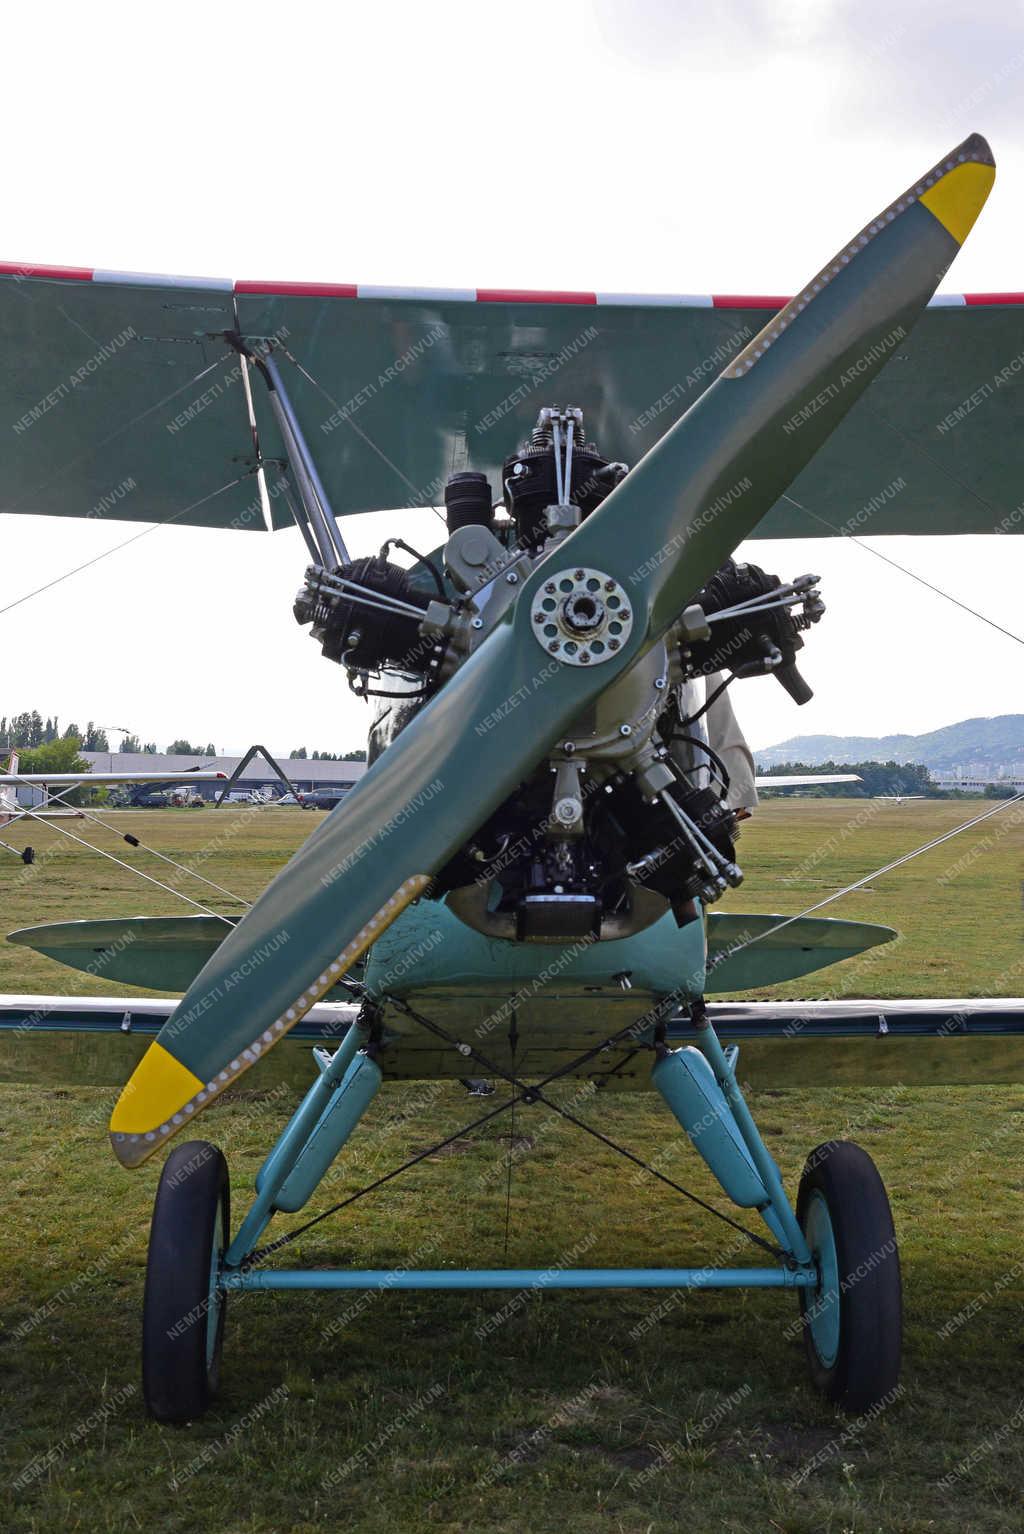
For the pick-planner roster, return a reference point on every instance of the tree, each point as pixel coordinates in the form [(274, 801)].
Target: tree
[(95, 738), (131, 745), (182, 748), (150, 748), (56, 756), (297, 756), (877, 778), (25, 730), (355, 756)]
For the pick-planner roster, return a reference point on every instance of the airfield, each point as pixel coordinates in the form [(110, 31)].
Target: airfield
[(627, 1412)]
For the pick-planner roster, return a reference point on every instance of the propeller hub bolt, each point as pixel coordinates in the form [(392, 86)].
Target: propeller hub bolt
[(583, 612)]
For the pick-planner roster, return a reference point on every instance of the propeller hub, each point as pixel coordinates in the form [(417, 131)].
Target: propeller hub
[(581, 616)]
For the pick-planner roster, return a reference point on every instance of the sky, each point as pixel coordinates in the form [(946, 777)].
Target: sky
[(715, 148)]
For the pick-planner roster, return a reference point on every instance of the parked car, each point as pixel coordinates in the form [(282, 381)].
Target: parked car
[(323, 798)]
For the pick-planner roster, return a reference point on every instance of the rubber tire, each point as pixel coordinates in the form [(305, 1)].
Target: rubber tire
[(866, 1367), (178, 1378)]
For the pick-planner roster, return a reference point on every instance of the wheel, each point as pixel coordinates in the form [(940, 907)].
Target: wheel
[(183, 1310), (852, 1322)]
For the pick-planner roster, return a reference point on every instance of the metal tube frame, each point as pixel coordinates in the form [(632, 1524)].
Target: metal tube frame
[(521, 1278), (292, 1142), (797, 1268), (300, 460), (711, 1047)]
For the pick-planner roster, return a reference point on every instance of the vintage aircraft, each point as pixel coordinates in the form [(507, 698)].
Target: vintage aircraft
[(10, 809), (54, 787), (519, 884)]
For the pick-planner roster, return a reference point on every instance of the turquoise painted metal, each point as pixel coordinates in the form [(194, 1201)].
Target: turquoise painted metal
[(823, 1311), (430, 947), (779, 1215), (521, 1278), (327, 1115), (291, 1142), (798, 948), (342, 1113), (163, 952), (215, 1297), (687, 1084)]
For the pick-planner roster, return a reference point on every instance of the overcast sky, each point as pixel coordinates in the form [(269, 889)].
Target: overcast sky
[(716, 148)]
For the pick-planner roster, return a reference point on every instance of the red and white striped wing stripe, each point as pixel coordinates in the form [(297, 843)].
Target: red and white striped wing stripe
[(770, 302)]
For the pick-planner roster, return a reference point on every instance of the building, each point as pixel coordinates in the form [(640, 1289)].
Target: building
[(304, 775)]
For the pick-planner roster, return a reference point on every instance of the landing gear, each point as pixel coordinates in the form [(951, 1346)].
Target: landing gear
[(183, 1310), (837, 1248), (853, 1318)]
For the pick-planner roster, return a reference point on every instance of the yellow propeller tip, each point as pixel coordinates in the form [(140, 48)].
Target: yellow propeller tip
[(152, 1105), (963, 182)]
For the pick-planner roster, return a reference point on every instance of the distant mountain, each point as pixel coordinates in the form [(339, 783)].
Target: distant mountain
[(992, 745)]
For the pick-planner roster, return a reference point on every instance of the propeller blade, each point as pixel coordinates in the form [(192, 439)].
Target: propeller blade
[(657, 538)]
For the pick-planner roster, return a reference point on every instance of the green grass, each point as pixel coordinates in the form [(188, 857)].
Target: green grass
[(627, 1412)]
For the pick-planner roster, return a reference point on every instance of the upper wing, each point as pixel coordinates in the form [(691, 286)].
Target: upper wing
[(121, 400), (403, 387)]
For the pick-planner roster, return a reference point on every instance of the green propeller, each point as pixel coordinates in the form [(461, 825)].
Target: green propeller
[(657, 538)]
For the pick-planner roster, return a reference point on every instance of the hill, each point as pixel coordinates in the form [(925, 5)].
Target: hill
[(992, 745)]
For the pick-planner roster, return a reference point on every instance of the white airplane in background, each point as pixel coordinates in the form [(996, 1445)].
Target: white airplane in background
[(805, 780), (54, 785), (10, 809)]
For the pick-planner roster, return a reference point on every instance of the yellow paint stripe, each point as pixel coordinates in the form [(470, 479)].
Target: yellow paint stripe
[(134, 1141), (157, 1088), (958, 198)]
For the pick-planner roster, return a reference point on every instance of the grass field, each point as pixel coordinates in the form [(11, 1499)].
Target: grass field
[(628, 1413)]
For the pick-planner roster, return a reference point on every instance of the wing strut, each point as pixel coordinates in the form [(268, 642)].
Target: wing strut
[(320, 520)]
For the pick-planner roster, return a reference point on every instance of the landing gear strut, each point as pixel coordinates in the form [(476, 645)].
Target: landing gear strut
[(838, 1249)]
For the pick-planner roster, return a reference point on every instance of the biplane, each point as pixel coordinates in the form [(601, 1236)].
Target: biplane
[(522, 884)]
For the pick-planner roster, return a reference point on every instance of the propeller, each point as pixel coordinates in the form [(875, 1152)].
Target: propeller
[(654, 541)]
